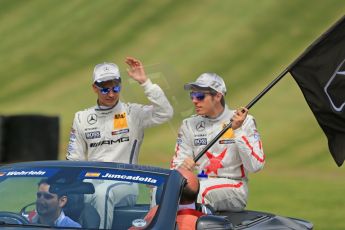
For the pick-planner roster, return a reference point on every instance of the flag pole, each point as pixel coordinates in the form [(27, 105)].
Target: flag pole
[(275, 81)]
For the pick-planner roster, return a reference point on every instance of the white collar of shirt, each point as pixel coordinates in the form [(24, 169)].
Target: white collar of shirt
[(58, 220), (186, 206)]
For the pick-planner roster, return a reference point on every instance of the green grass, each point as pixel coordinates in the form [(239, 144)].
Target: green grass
[(10, 199), (48, 50)]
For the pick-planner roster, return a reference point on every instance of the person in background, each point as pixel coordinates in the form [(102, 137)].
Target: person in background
[(49, 208), (224, 168), (113, 131)]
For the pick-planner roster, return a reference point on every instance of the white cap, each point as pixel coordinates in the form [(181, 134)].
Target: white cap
[(106, 72), (208, 80)]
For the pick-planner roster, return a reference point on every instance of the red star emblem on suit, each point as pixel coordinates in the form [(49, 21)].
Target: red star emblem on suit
[(215, 162)]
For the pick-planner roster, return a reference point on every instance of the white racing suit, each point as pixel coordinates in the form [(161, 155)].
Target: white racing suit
[(226, 163), (115, 135)]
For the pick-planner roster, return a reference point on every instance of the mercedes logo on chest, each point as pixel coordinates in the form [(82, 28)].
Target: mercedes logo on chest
[(92, 119), (200, 126)]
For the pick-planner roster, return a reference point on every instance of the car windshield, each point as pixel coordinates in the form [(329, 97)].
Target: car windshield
[(92, 197)]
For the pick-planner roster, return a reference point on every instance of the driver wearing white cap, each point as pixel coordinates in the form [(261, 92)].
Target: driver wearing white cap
[(113, 131), (224, 169)]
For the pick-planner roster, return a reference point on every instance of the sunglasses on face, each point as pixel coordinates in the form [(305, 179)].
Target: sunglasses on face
[(115, 89), (45, 195), (199, 96)]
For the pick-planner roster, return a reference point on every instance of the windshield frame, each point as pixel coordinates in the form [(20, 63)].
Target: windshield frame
[(154, 175)]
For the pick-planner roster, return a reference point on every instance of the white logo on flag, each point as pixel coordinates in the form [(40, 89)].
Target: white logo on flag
[(338, 76)]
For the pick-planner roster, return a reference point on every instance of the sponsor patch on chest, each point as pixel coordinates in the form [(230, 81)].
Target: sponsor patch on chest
[(120, 121), (228, 134), (226, 141), (117, 132), (200, 141), (93, 135)]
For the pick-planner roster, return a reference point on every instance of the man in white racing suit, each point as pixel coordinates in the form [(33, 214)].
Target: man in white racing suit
[(223, 170), (113, 131)]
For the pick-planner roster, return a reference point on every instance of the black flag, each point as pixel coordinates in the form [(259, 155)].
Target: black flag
[(320, 74)]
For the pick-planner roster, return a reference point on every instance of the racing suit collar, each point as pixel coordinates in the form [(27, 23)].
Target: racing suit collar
[(102, 107), (221, 116)]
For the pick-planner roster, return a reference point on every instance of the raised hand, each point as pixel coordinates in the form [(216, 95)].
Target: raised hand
[(136, 70)]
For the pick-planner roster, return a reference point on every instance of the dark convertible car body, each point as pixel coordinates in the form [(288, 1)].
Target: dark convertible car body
[(18, 187)]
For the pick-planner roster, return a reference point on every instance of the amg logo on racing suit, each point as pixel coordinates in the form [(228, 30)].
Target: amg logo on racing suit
[(93, 135), (109, 142), (200, 141)]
